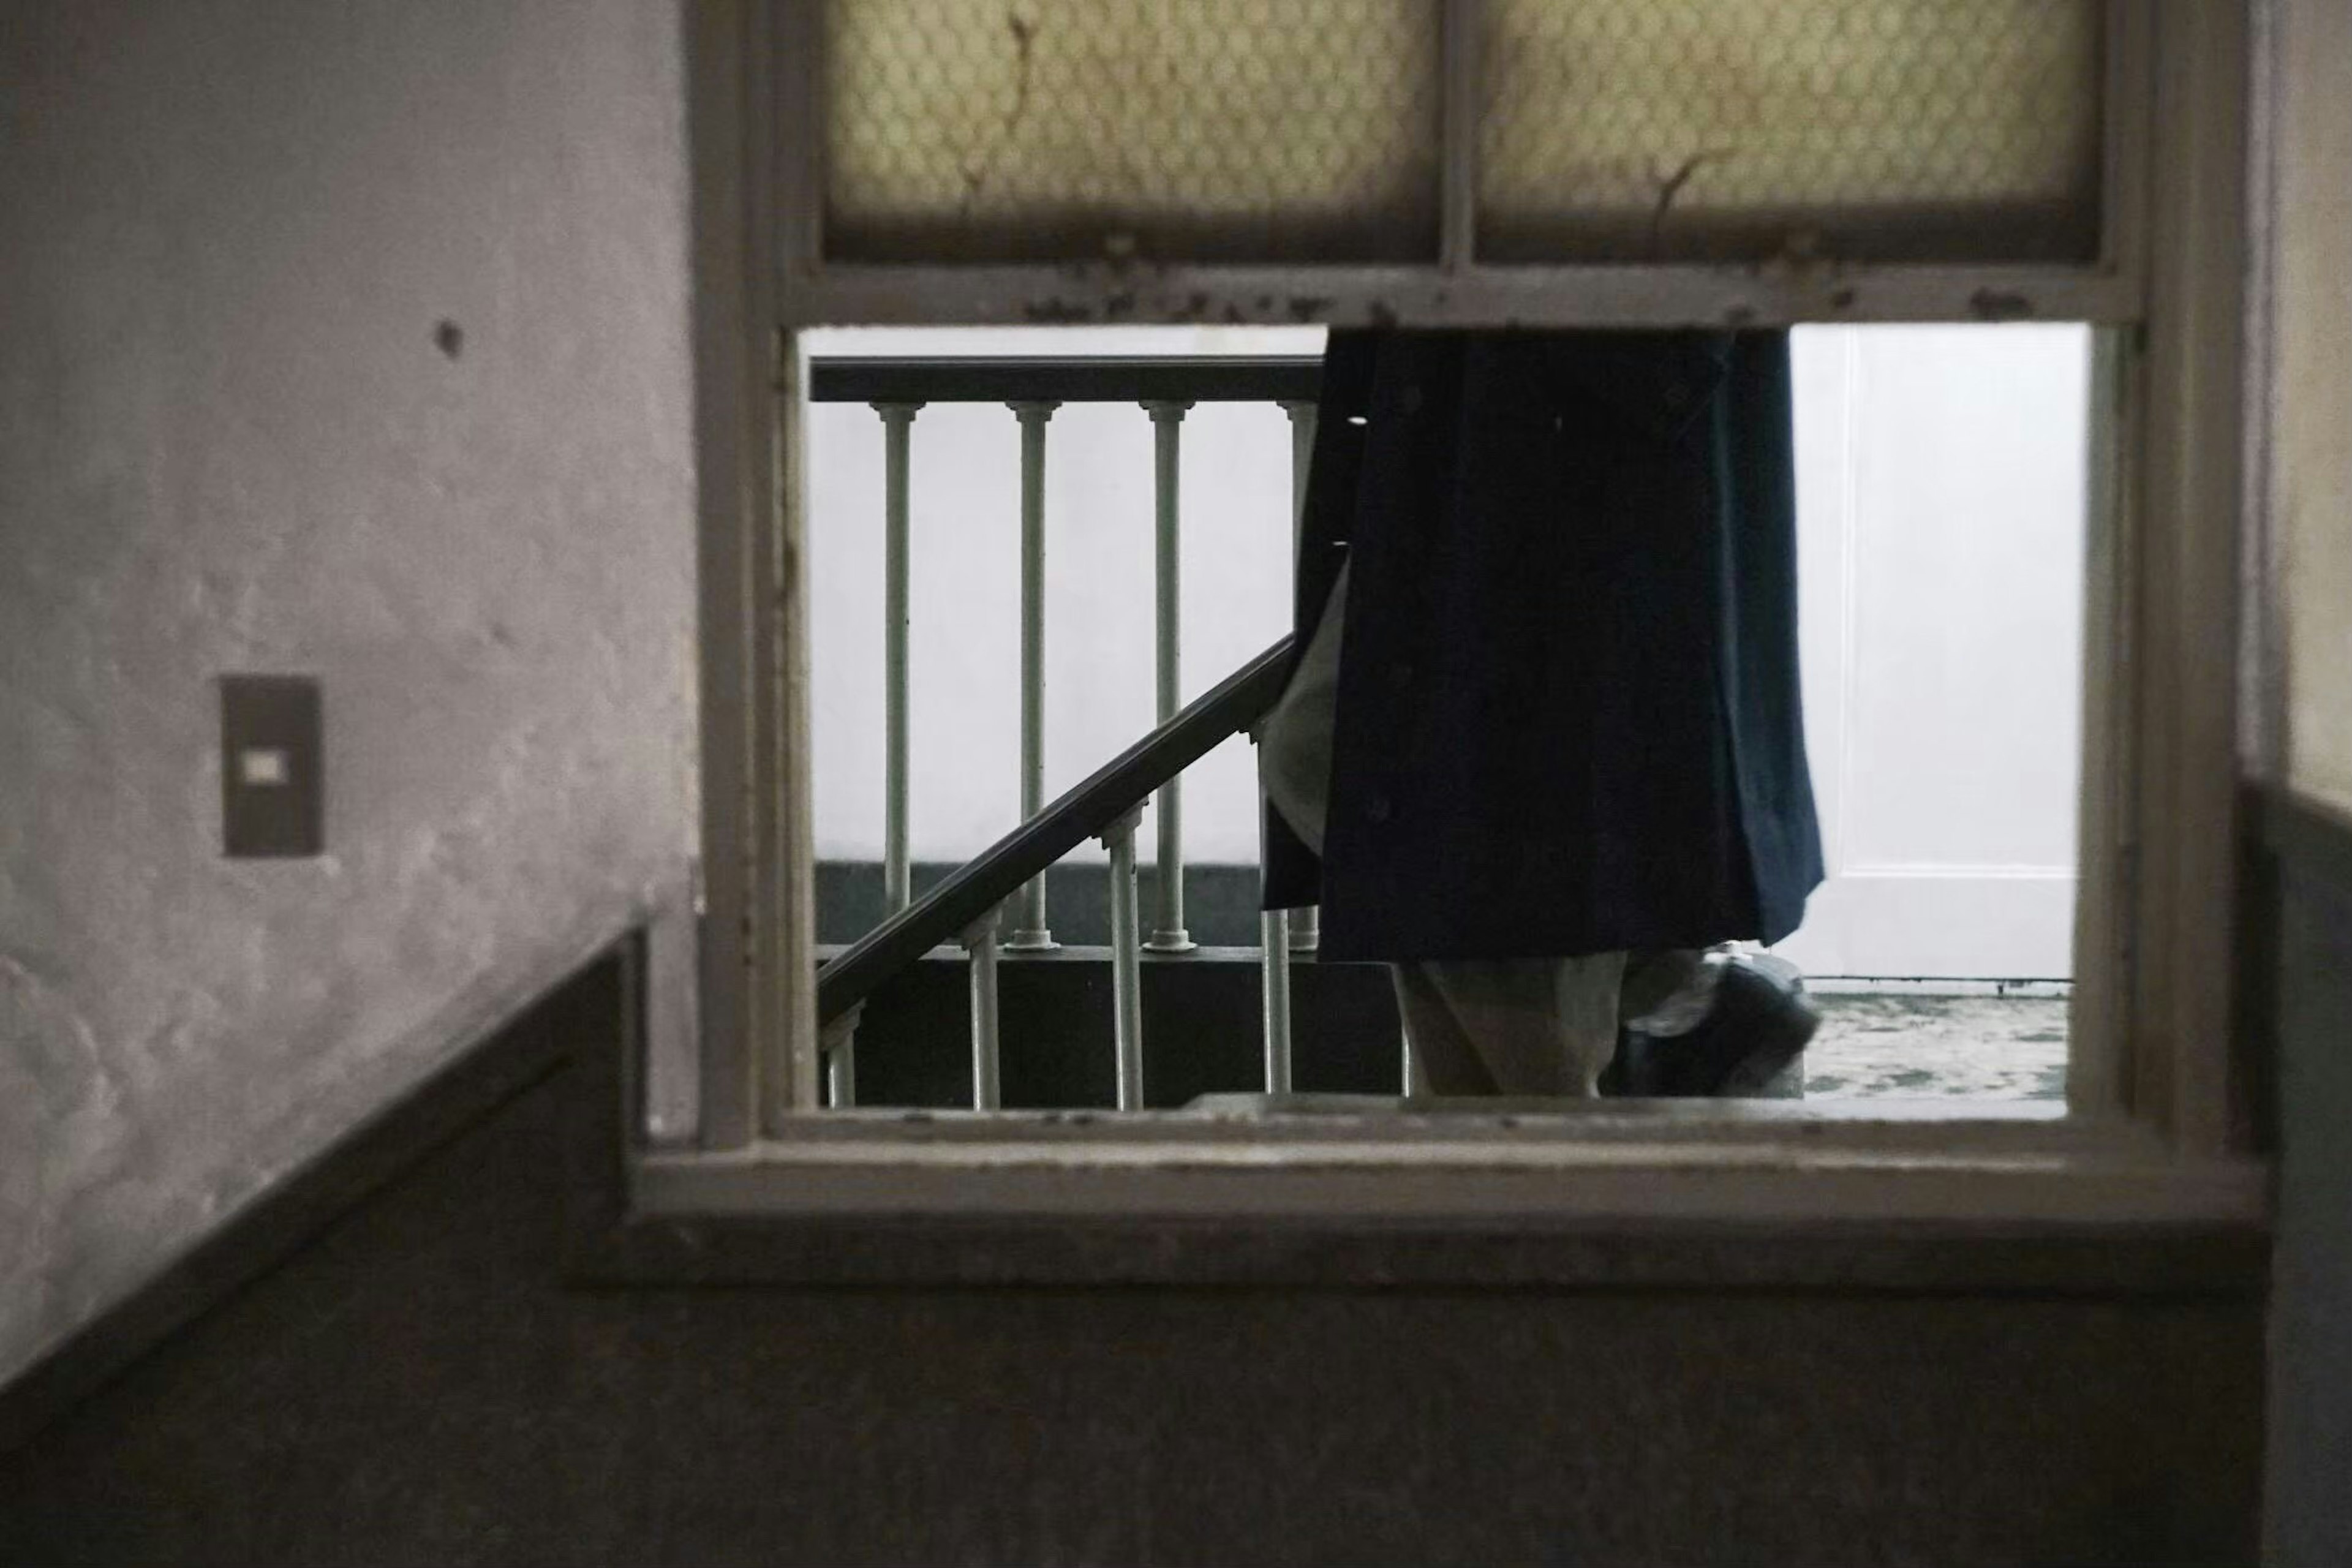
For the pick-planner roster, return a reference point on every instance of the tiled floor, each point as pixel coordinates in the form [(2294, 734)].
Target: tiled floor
[(1990, 1047)]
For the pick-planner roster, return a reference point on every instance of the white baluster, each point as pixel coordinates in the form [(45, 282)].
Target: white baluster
[(1030, 934), (1126, 960), (897, 876), (980, 941)]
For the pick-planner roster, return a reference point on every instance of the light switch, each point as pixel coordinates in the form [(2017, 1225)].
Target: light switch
[(272, 787), (263, 765)]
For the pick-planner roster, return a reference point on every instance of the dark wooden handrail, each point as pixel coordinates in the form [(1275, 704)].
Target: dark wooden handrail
[(967, 894), (1167, 378)]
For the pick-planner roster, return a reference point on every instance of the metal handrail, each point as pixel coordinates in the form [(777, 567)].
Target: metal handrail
[(1163, 378), (973, 892)]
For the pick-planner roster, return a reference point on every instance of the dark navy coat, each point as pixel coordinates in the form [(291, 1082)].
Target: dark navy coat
[(1568, 710)]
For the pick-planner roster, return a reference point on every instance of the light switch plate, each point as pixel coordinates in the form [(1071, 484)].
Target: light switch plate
[(273, 781)]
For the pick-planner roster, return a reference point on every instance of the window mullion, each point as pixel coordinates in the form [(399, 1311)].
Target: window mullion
[(1464, 32)]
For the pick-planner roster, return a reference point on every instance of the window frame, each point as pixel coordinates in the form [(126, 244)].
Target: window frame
[(2155, 1125)]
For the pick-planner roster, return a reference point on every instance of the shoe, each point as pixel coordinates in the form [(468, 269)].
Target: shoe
[(1758, 1026)]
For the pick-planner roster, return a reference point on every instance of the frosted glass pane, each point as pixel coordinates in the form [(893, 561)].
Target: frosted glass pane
[(1054, 130), (1685, 130)]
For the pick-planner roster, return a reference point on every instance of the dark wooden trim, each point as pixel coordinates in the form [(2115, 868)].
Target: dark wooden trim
[(1261, 378), (2295, 848), (603, 1104), (949, 909), (576, 1013), (2312, 841), (2259, 977)]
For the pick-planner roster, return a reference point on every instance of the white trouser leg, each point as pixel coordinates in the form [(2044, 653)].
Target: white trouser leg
[(1518, 1026)]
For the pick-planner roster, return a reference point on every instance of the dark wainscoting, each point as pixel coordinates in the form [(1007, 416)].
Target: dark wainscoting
[(401, 1365)]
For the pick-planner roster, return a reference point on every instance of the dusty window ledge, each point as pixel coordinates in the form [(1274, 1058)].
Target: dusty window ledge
[(2050, 1232), (1783, 1164), (1769, 1195)]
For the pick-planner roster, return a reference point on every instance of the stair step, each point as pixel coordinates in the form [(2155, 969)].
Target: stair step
[(1203, 1031)]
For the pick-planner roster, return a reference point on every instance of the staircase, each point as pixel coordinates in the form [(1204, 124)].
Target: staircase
[(912, 1008)]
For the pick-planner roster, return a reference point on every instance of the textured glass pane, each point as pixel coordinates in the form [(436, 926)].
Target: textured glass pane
[(1953, 129), (1054, 130)]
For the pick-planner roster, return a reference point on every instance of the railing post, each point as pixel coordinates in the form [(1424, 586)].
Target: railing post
[(1274, 965), (897, 876), (1273, 975), (980, 941), (1126, 960), (1306, 926), (1168, 934), (1030, 933), (837, 1043)]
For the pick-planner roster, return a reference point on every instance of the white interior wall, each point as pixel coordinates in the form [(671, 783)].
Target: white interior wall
[(230, 442)]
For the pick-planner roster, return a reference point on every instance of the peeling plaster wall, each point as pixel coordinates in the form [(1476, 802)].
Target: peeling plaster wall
[(230, 440)]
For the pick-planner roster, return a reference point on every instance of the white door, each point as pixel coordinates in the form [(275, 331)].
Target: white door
[(1940, 475)]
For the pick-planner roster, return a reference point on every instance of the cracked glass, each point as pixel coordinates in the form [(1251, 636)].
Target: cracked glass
[(1087, 130), (1740, 129)]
